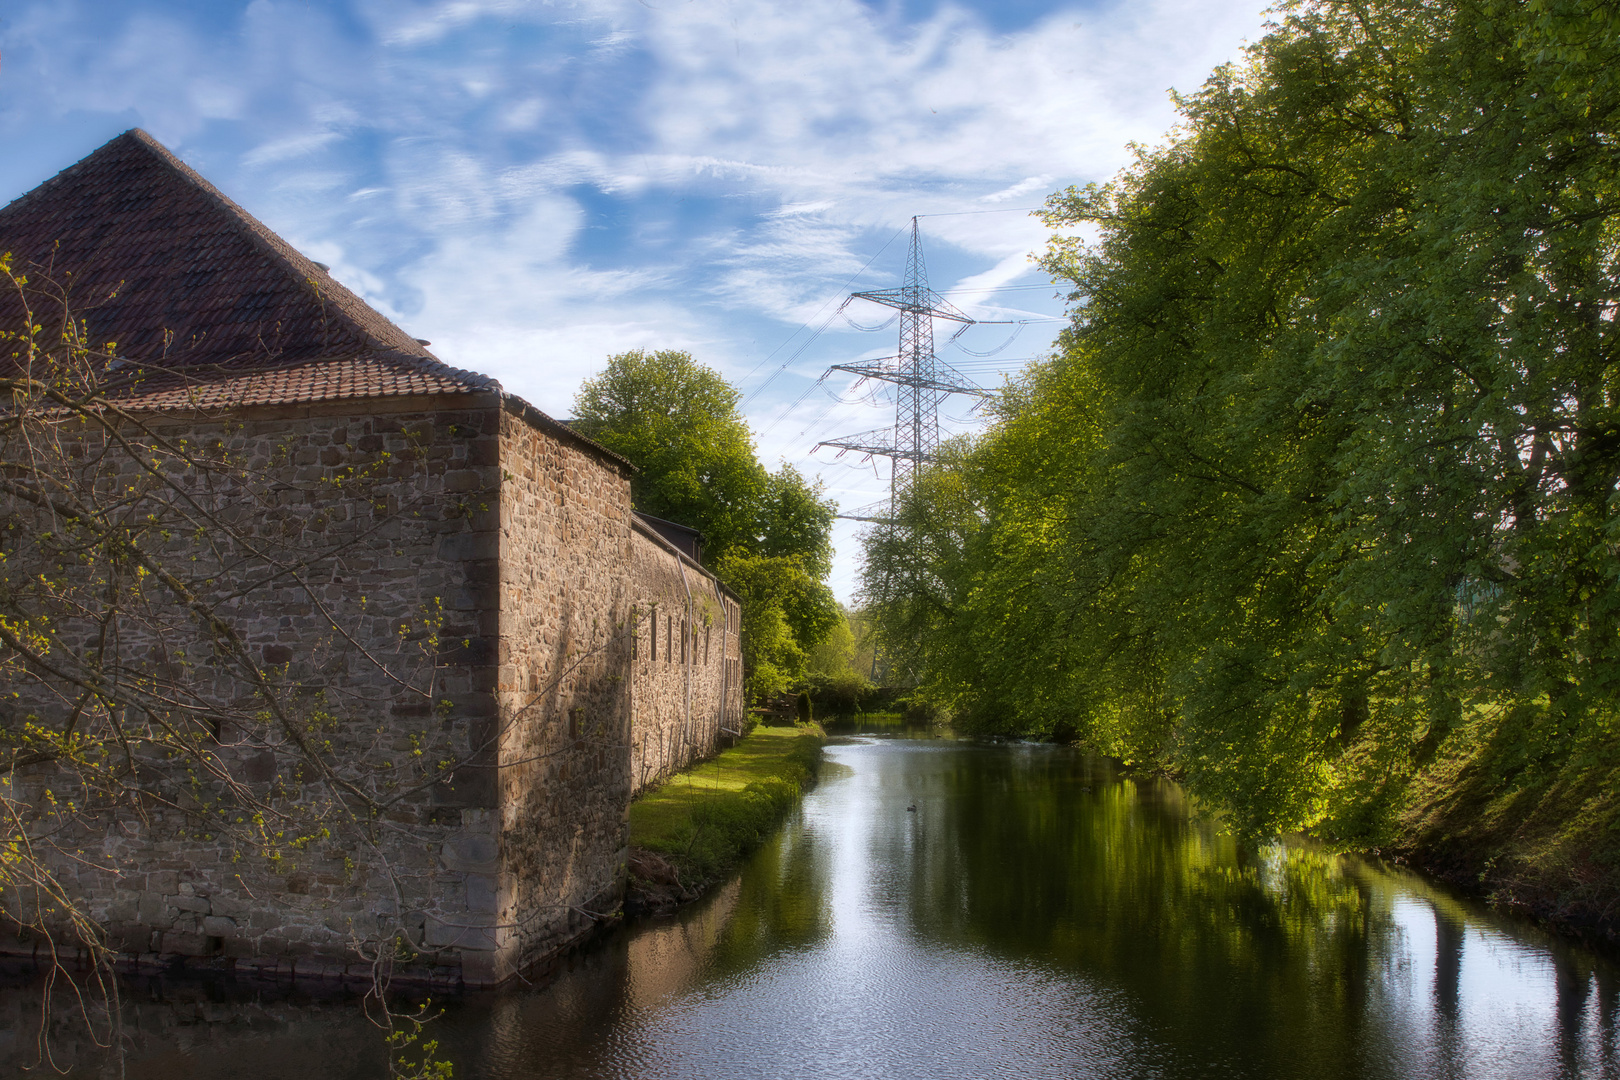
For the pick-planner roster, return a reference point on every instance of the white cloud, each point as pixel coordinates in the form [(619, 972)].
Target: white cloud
[(1029, 185), (286, 149), (464, 162), (522, 115)]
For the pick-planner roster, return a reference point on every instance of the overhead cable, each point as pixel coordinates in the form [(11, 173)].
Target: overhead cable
[(819, 310)]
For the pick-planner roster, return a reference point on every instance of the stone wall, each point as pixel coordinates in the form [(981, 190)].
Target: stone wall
[(377, 647), (483, 596), (565, 644), (686, 690)]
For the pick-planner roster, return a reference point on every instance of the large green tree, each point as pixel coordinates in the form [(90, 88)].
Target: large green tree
[(677, 421), (1317, 502)]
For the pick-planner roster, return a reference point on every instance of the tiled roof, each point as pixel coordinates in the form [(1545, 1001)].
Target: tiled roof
[(280, 384), (200, 295)]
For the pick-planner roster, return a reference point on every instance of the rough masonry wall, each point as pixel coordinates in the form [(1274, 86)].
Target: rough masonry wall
[(482, 598), (686, 687), (382, 649), (565, 644)]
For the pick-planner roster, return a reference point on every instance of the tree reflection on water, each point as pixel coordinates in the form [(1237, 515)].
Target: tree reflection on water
[(1038, 912)]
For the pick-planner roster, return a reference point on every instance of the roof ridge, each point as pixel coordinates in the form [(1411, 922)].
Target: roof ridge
[(360, 328), (311, 274)]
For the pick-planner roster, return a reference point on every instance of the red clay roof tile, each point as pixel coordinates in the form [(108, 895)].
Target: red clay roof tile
[(214, 307)]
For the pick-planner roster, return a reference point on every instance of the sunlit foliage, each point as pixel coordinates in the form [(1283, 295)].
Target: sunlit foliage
[(1323, 472)]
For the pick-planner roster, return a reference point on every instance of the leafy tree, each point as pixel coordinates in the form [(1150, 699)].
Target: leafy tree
[(1316, 503), (786, 612), (796, 519), (677, 421), (837, 677), (835, 655), (913, 572)]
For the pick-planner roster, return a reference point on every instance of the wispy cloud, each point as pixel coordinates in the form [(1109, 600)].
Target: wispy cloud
[(533, 184), (288, 149)]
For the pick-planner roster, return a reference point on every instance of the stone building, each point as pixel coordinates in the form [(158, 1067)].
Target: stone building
[(488, 592)]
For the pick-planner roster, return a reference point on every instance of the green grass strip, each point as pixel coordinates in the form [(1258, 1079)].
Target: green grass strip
[(704, 820)]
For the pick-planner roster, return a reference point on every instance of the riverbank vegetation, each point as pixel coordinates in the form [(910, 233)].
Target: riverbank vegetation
[(700, 823), (1315, 504)]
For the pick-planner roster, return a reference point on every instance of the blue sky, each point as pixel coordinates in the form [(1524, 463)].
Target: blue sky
[(533, 186)]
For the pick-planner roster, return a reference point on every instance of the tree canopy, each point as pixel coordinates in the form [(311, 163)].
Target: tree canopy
[(677, 421), (1317, 498)]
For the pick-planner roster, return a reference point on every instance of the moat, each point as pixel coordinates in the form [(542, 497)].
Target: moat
[(1038, 914)]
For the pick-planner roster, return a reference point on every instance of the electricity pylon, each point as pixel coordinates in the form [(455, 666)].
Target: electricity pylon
[(922, 380)]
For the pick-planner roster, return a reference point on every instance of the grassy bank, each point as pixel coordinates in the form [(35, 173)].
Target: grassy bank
[(700, 823), (1534, 830)]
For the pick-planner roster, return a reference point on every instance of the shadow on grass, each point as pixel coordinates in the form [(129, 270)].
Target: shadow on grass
[(699, 824)]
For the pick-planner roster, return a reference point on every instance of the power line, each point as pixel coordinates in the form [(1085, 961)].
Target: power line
[(762, 387), (783, 415), (818, 311), (998, 363), (999, 288), (998, 210)]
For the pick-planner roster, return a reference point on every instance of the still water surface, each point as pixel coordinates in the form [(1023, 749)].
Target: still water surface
[(1037, 915)]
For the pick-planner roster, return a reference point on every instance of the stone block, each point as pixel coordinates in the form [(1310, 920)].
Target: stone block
[(234, 906), (472, 852), (467, 650), (220, 926), (468, 786), (484, 968), (245, 948), (459, 480), (258, 767), (468, 931), (183, 943), (459, 547), (151, 910), (483, 893)]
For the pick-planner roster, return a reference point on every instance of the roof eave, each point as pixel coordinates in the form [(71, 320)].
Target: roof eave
[(541, 422)]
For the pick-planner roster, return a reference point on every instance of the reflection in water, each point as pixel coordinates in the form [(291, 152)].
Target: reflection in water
[(1448, 953), (1037, 914)]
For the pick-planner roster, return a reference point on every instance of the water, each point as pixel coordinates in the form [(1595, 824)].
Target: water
[(1037, 915)]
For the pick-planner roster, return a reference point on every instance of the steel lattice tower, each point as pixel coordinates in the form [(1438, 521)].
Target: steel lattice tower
[(922, 380)]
